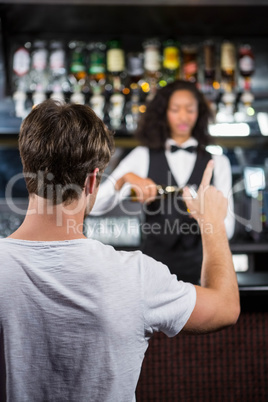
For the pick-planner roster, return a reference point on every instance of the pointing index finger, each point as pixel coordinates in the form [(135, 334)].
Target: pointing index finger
[(207, 175)]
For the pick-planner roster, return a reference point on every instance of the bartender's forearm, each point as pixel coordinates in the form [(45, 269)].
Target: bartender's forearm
[(126, 178)]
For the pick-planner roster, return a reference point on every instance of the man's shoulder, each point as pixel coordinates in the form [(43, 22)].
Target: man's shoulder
[(135, 261), (109, 251)]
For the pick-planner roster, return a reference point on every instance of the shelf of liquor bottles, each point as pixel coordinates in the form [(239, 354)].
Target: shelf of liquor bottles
[(115, 57), (118, 82)]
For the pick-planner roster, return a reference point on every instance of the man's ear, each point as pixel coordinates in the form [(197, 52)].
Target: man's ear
[(91, 181)]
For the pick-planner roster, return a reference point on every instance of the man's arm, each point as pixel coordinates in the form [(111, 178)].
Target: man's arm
[(217, 303), (223, 182)]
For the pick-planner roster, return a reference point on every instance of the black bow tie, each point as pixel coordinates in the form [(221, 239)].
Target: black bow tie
[(174, 148)]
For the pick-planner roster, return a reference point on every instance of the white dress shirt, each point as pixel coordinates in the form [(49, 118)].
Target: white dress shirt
[(181, 164)]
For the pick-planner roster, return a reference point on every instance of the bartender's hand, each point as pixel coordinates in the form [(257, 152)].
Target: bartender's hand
[(145, 189), (210, 205)]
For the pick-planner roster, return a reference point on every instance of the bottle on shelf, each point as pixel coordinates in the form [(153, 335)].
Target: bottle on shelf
[(135, 74), (77, 68), (58, 68), (190, 62), (21, 68), (116, 110), (115, 64), (97, 103), (134, 104), (228, 66), (226, 108), (135, 67), (209, 67), (228, 82), (244, 111), (39, 67), (77, 97), (171, 62), (134, 108), (152, 67), (57, 92), (19, 98), (246, 64), (210, 85), (39, 94), (96, 76)]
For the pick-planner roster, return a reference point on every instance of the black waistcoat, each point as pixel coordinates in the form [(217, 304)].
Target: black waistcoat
[(171, 235)]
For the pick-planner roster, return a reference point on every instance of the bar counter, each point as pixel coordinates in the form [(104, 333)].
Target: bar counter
[(229, 365)]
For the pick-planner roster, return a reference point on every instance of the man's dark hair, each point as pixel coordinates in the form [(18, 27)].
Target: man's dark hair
[(153, 129), (60, 145)]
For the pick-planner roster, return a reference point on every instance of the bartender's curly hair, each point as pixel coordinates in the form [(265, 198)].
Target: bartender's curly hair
[(153, 129)]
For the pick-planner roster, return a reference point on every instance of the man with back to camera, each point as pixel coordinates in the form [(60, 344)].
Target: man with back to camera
[(76, 315)]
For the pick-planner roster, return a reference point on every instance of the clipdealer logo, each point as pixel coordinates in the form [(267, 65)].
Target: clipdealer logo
[(118, 228), (248, 217)]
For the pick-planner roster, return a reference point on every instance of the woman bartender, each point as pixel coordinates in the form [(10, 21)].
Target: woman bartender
[(174, 133)]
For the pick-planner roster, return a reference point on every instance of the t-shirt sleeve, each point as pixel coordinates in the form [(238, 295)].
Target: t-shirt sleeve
[(168, 303)]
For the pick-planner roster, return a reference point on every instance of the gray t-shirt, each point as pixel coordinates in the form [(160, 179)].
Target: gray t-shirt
[(76, 317)]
